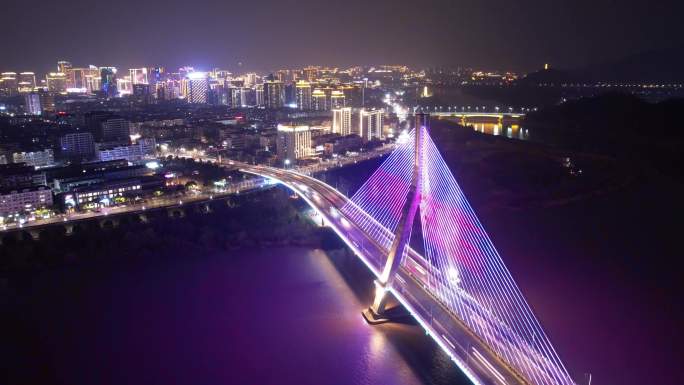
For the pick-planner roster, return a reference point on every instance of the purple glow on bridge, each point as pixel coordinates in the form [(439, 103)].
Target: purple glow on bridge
[(464, 272), (389, 184)]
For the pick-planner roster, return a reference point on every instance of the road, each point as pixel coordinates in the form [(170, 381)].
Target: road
[(420, 295), (235, 187), (148, 204)]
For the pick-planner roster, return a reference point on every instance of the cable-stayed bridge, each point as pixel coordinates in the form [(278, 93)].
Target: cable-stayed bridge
[(458, 289)]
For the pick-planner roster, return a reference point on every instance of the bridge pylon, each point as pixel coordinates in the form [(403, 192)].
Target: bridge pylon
[(376, 313)]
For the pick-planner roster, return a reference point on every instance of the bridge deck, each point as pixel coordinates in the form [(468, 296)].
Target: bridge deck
[(475, 358)]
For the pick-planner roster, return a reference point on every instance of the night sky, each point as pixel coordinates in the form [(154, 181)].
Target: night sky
[(263, 35)]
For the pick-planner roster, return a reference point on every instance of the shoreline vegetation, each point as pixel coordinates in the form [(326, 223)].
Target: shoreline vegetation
[(270, 218)]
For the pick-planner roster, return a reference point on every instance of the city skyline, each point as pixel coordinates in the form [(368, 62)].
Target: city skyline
[(262, 35)]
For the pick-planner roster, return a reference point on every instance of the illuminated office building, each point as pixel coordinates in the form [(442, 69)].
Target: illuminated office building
[(124, 85), (221, 74), (26, 82), (83, 79), (259, 91), (108, 81), (63, 66), (293, 142), (319, 100), (32, 104), (195, 87), (251, 79), (56, 82), (138, 76), (370, 124), (342, 121), (8, 83), (274, 94), (285, 76), (156, 75), (311, 73), (303, 95), (93, 82), (47, 101), (337, 99), (239, 97)]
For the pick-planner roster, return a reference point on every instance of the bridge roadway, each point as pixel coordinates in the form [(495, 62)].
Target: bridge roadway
[(474, 357), (475, 114)]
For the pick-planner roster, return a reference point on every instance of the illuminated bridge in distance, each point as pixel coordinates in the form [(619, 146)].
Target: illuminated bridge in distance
[(459, 289), (468, 116)]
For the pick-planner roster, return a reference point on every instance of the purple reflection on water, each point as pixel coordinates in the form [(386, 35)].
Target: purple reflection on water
[(281, 316)]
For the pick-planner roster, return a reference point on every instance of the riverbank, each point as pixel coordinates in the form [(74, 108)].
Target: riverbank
[(264, 219)]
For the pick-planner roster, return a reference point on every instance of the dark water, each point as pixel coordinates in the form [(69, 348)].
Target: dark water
[(282, 316)]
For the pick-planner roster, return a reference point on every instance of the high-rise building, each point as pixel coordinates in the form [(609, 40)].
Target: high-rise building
[(143, 92), (319, 100), (63, 66), (342, 121), (274, 94), (56, 82), (303, 95), (285, 76), (79, 145), (26, 82), (259, 91), (251, 79), (32, 104), (47, 101), (156, 75), (138, 76), (115, 130), (92, 81), (293, 142), (195, 87), (8, 83), (218, 73), (370, 124), (337, 99), (108, 81), (124, 85), (239, 97), (311, 73), (83, 79)]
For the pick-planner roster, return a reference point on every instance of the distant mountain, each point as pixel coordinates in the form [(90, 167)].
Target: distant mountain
[(657, 66), (552, 76)]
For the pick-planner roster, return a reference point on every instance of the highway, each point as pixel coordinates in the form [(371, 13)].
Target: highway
[(414, 290), (147, 204)]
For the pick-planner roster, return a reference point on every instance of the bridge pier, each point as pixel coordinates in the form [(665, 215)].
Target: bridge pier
[(109, 222), (35, 234), (176, 212)]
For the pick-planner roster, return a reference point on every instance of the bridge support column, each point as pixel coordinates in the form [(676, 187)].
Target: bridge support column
[(377, 312)]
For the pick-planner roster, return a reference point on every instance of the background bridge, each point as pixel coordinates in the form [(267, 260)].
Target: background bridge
[(458, 288)]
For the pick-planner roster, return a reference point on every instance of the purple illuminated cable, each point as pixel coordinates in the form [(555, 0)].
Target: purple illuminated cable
[(429, 249), (444, 245), (377, 204), (461, 269), (462, 236)]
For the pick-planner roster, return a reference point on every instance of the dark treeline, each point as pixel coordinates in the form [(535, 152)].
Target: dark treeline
[(624, 126), (260, 219)]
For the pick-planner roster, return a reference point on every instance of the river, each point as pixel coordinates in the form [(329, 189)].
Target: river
[(281, 316)]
